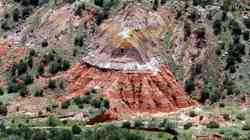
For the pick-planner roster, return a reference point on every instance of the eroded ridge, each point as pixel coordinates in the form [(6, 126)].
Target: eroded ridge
[(124, 65), (131, 40)]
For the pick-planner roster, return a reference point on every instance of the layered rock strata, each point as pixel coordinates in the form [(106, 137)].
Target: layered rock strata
[(124, 64)]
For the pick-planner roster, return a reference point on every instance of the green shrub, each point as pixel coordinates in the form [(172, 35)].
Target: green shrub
[(28, 79), (204, 94), (24, 92), (126, 124), (226, 5), (40, 69), (235, 28), (29, 60), (52, 121), (155, 5), (168, 124), (79, 40), (81, 106), (217, 27), (241, 117), (65, 134), (247, 22), (52, 84), (22, 67), (38, 93), (76, 129), (75, 52), (79, 9), (1, 91), (99, 2), (14, 87), (246, 126), (32, 53), (215, 97), (101, 15), (44, 43), (54, 67), (226, 117), (202, 3), (65, 65), (235, 134), (188, 125), (65, 122), (39, 135), (77, 100), (2, 127), (246, 35), (196, 69), (104, 133), (16, 15), (189, 85), (96, 102), (105, 103), (138, 123), (192, 114), (3, 109), (61, 84), (213, 124), (65, 104), (222, 105)]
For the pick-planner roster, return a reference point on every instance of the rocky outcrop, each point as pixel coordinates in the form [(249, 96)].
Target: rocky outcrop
[(132, 40), (130, 92), (124, 65), (10, 54), (102, 117)]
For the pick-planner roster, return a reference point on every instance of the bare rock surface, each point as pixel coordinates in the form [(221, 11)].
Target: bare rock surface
[(131, 40), (124, 65)]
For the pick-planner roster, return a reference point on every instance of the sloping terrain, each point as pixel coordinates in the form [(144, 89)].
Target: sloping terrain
[(146, 69), (125, 64)]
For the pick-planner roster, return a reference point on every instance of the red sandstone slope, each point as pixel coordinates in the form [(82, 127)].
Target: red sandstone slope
[(124, 65), (130, 92)]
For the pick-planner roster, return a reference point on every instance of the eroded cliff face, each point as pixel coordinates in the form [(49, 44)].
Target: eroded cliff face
[(130, 92), (124, 65), (10, 54)]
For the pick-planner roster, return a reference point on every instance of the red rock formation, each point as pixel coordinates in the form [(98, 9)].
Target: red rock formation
[(125, 65), (130, 92), (102, 117), (3, 48)]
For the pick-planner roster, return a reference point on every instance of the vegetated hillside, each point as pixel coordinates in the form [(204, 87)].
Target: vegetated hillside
[(210, 49), (43, 41)]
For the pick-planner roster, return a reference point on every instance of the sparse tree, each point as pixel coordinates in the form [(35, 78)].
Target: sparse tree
[(3, 109), (99, 2), (76, 129), (40, 69), (16, 15), (246, 35), (155, 5), (65, 104), (213, 124), (217, 27), (52, 84), (247, 22), (1, 91), (52, 121), (189, 85), (65, 65)]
